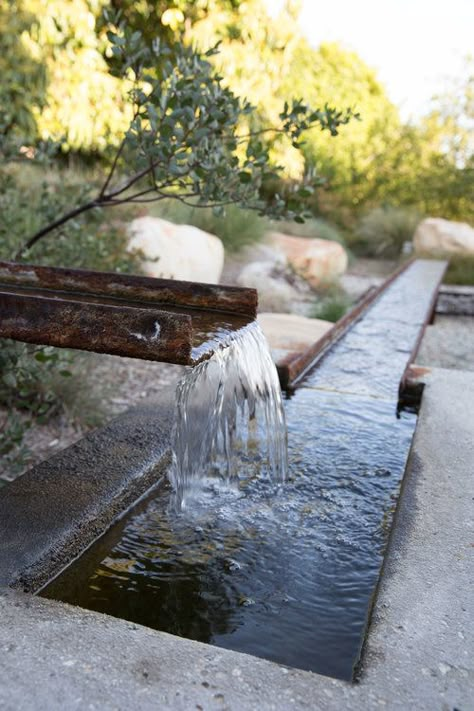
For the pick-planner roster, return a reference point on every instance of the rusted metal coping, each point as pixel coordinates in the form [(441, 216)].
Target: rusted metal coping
[(293, 367), (154, 319), (406, 389)]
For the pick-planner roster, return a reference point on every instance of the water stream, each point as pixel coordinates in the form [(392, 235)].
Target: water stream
[(224, 553), (287, 572), (230, 420)]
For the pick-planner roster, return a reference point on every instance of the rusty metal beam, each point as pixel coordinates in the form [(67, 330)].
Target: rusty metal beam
[(118, 330), (153, 319), (132, 288)]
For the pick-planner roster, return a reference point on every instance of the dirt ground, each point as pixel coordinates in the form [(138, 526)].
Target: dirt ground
[(121, 382)]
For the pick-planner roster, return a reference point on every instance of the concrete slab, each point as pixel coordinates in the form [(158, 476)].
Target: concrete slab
[(455, 300), (419, 653), (59, 507)]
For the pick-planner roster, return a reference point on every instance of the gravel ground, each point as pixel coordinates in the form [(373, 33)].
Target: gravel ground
[(448, 343)]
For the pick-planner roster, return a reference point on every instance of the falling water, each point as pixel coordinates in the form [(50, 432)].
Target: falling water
[(230, 419)]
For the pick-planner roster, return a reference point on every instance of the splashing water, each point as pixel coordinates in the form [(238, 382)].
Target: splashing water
[(230, 419)]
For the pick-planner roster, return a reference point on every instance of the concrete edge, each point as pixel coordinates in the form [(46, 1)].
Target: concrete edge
[(419, 649), (51, 514)]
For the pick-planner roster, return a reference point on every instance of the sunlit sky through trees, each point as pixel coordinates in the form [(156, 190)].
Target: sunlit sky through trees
[(415, 45)]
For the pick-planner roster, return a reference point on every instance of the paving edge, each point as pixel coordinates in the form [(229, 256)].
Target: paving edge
[(58, 508)]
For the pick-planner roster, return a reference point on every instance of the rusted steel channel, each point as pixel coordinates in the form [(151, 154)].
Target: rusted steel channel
[(293, 367), (154, 319)]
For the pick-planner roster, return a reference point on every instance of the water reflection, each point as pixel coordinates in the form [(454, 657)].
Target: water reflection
[(284, 573)]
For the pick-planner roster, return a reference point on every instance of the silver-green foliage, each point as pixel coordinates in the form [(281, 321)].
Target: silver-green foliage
[(183, 141)]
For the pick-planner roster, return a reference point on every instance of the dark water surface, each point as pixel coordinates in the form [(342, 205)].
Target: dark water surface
[(287, 575)]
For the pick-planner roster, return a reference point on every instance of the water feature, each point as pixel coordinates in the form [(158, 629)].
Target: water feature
[(227, 555), (229, 418), (287, 572)]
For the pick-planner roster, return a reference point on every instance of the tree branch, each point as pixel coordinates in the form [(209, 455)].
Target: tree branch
[(112, 169), (53, 225)]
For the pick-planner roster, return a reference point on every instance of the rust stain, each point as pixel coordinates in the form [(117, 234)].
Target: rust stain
[(120, 314), (417, 371), (161, 292)]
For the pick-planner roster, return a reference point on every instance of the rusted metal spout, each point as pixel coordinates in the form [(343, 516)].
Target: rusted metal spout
[(153, 319)]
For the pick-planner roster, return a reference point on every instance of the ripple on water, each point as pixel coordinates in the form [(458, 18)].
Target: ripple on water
[(282, 572)]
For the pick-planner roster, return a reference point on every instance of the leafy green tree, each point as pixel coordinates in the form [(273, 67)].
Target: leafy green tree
[(23, 85), (453, 114), (169, 20), (430, 165), (350, 164), (255, 58), (183, 140), (83, 105)]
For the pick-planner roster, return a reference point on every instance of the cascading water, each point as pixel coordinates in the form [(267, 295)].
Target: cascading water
[(230, 419)]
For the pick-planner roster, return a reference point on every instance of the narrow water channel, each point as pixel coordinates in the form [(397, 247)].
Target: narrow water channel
[(286, 573)]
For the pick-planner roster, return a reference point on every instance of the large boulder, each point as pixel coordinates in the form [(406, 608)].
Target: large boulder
[(278, 287), (437, 236), (291, 332), (176, 251), (262, 252), (319, 261)]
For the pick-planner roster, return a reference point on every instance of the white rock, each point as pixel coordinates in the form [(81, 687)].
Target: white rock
[(319, 261), (177, 251), (262, 252), (437, 236), (290, 332), (275, 290)]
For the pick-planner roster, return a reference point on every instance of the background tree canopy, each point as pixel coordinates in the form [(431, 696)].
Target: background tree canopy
[(59, 82)]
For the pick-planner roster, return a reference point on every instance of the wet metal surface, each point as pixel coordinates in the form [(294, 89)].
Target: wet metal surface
[(132, 288)]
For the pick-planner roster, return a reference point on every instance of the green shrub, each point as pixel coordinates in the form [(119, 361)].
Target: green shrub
[(24, 387), (31, 198), (237, 227), (460, 270), (332, 306), (382, 232), (37, 383)]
